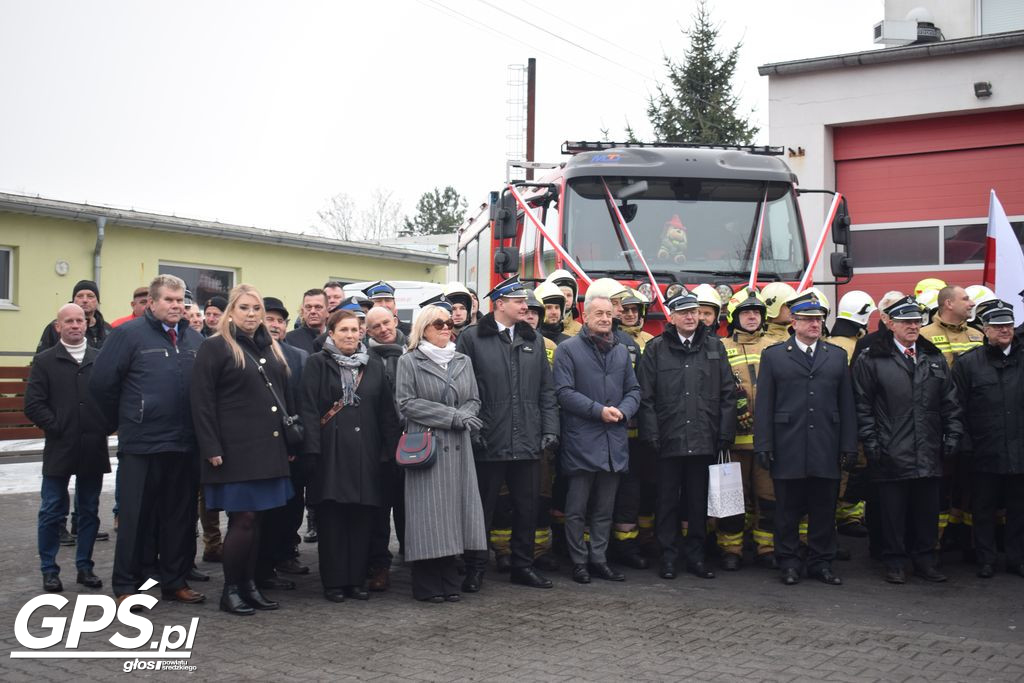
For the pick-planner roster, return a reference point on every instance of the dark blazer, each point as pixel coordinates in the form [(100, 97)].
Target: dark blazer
[(58, 401), (904, 416), (141, 382), (234, 413), (688, 398), (305, 338), (348, 452), (587, 380), (517, 395), (805, 412), (991, 390)]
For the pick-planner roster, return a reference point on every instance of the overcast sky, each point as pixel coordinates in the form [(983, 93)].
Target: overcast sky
[(257, 112)]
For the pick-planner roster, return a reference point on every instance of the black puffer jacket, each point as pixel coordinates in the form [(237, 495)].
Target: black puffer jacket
[(991, 388), (517, 394), (688, 401), (904, 418)]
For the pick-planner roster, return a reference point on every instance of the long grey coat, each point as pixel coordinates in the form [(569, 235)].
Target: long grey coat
[(443, 514)]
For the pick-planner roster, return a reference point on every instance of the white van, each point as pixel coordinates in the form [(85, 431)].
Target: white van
[(408, 295)]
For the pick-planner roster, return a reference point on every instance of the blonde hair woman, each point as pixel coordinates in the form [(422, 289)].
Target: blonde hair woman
[(241, 441), (436, 390)]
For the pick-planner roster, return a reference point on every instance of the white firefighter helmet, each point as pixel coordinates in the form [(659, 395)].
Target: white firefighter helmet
[(856, 306), (775, 295), (979, 294), (708, 296), (606, 287), (928, 283), (550, 293)]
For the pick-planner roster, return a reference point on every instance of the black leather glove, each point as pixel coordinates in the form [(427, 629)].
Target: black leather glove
[(848, 461), (948, 449), (655, 445), (478, 441), (872, 456), (765, 459), (548, 441), (724, 445)]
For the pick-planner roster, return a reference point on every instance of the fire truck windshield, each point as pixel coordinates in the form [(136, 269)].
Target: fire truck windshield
[(689, 225)]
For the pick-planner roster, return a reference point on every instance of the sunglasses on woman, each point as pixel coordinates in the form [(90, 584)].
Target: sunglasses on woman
[(441, 324)]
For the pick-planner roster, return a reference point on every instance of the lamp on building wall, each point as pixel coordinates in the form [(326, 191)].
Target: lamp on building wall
[(982, 89)]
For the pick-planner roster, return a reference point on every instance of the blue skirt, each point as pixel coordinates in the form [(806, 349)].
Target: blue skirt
[(249, 496)]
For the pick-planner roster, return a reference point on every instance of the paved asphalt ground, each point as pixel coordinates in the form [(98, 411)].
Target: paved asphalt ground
[(742, 626)]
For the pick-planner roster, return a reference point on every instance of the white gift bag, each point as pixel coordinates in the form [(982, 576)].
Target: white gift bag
[(725, 488)]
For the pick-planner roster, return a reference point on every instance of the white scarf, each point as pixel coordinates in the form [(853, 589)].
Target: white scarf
[(441, 356)]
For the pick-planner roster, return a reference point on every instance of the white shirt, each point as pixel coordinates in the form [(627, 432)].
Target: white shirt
[(803, 347), (502, 328), (903, 349), (683, 339)]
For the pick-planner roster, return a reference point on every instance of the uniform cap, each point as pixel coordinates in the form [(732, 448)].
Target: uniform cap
[(684, 301), (350, 303), (439, 300), (906, 308), (997, 312), (380, 290), (511, 288), (808, 304), (534, 303)]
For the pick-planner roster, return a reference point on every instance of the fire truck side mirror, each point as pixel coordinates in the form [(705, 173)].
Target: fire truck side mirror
[(841, 226), (506, 260), (505, 220), (842, 265)]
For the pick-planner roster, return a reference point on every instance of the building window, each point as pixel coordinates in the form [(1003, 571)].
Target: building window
[(6, 275), (967, 243), (203, 281), (998, 16), (895, 247)]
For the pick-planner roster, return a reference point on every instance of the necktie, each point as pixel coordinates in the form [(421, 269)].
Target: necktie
[(686, 344), (810, 354), (909, 353), (174, 337), (508, 334)]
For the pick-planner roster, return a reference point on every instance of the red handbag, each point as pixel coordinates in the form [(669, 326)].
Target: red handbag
[(416, 450)]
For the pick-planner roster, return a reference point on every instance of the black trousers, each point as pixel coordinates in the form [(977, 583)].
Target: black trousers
[(909, 509), (817, 498), (275, 541), (158, 499), (523, 480), (393, 483), (682, 479), (436, 576), (990, 492), (344, 542)]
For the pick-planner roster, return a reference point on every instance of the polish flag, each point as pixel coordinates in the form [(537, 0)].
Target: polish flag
[(1004, 260)]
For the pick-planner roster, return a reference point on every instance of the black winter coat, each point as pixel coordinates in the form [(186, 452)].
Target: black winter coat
[(234, 413), (688, 401), (990, 385), (141, 382), (587, 380), (296, 359), (59, 402), (305, 338), (904, 417), (347, 453), (804, 412), (517, 395), (95, 334)]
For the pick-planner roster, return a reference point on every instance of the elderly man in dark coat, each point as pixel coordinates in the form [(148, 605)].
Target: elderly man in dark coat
[(59, 402), (687, 416), (598, 394), (908, 418), (520, 420), (805, 430)]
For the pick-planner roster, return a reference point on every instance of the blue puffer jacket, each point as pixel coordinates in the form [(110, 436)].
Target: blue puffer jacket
[(141, 382), (586, 381)]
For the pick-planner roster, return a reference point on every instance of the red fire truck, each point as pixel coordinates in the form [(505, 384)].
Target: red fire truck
[(638, 212)]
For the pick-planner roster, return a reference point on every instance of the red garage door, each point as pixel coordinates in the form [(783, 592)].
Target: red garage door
[(922, 187)]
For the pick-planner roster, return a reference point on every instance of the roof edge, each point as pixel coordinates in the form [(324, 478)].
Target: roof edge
[(995, 41), (56, 208)]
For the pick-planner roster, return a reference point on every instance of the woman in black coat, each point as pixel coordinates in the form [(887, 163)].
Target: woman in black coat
[(351, 429), (241, 440)]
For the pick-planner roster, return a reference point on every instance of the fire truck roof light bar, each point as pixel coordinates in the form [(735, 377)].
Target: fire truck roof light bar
[(513, 163), (571, 147)]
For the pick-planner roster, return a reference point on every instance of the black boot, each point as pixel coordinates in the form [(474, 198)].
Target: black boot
[(252, 596), (232, 603)]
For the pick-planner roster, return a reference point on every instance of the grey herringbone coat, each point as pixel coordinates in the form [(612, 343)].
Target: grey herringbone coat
[(443, 514)]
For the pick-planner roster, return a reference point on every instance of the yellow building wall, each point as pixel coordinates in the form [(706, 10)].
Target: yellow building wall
[(131, 258)]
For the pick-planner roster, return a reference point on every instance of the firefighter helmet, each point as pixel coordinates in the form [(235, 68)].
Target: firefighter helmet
[(606, 287), (708, 296), (775, 295), (563, 277), (928, 299), (980, 294), (535, 304), (457, 293), (928, 283), (549, 293), (635, 298), (745, 300), (856, 306)]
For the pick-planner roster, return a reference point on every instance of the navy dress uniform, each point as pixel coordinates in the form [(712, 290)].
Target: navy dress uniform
[(805, 426)]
